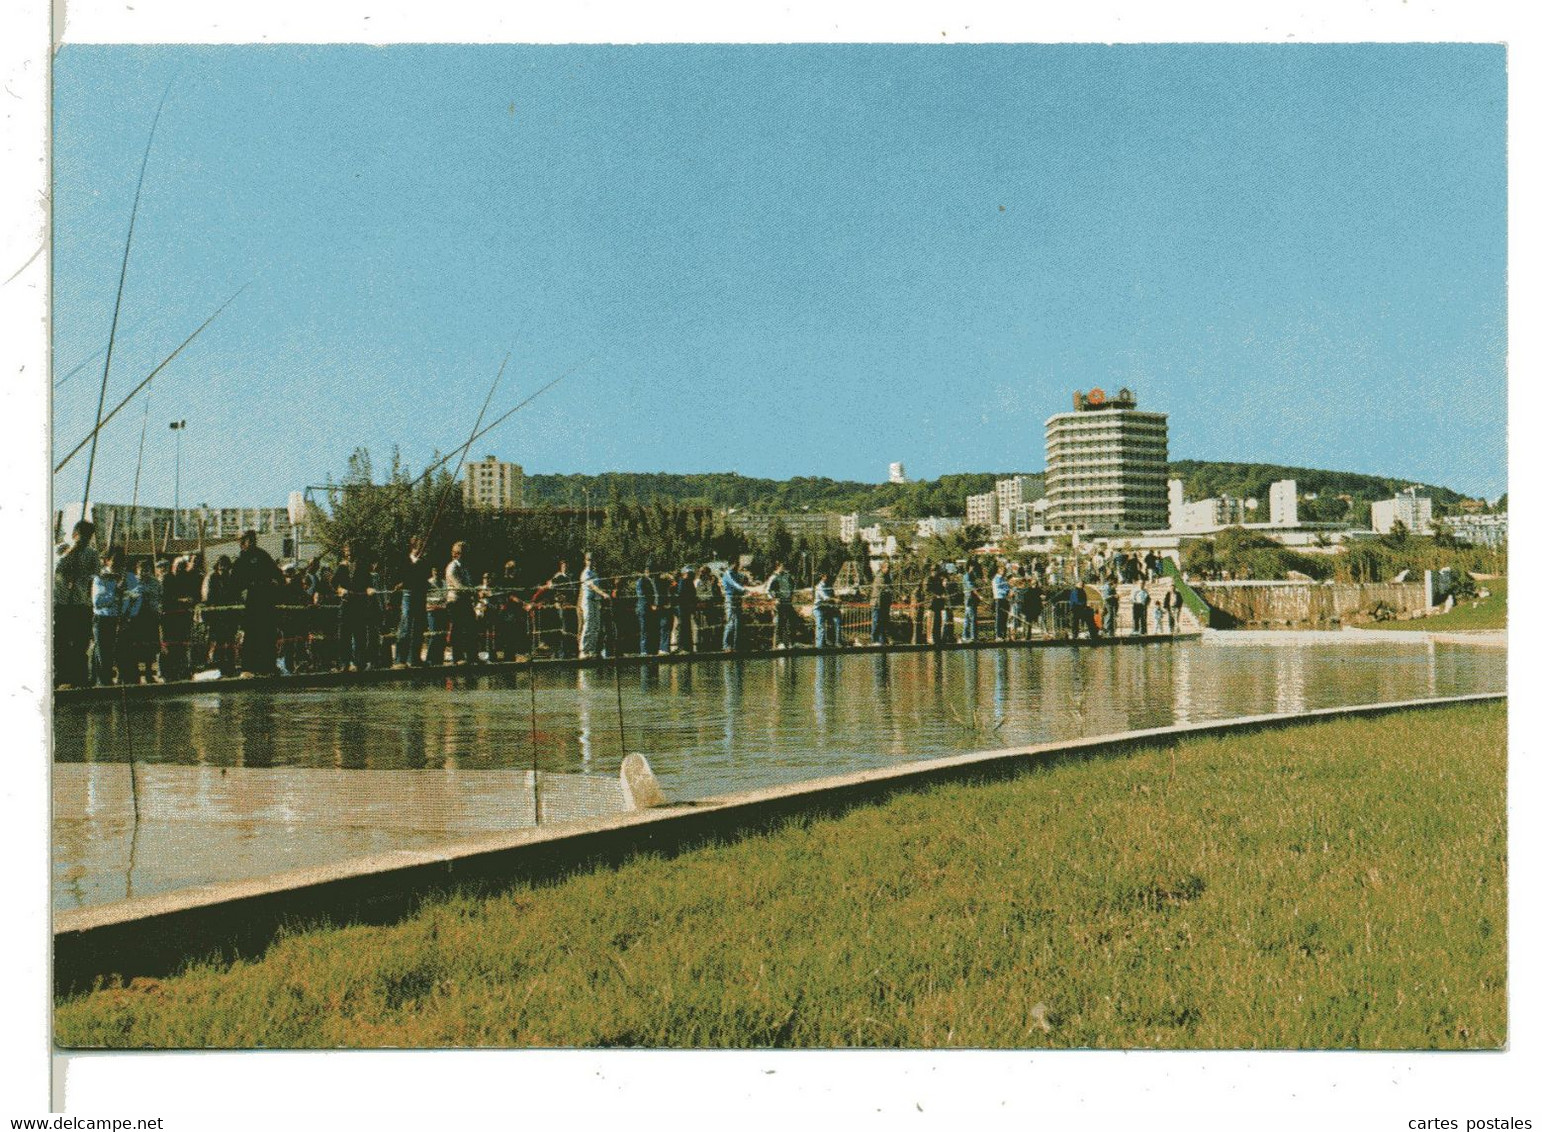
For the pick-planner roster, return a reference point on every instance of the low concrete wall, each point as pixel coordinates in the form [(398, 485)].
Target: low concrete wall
[(1309, 604), (155, 935)]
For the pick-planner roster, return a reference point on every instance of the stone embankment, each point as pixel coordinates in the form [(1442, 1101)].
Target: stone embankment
[(1309, 605)]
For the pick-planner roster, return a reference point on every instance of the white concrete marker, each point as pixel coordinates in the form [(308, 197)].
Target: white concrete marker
[(639, 789)]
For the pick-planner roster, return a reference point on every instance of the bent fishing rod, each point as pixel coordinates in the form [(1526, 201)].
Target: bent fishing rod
[(112, 333), (445, 494), (102, 422), (477, 434)]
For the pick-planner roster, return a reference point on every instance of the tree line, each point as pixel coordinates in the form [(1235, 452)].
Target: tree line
[(625, 535)]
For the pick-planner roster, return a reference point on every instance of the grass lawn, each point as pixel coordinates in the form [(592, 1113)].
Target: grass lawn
[(1333, 885), (1490, 612)]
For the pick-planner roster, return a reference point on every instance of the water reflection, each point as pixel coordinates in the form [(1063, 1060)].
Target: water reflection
[(706, 729), (781, 710)]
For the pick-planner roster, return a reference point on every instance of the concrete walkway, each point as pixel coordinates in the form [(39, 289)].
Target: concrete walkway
[(312, 681)]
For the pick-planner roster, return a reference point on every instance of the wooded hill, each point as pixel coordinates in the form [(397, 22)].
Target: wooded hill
[(946, 495), (942, 496)]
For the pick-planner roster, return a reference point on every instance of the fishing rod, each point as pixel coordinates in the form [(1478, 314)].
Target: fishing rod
[(80, 365), (117, 305), (535, 756), (615, 640), (445, 494), (477, 434), (139, 464), (102, 422)]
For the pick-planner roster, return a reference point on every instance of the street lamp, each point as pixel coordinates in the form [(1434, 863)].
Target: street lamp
[(176, 489)]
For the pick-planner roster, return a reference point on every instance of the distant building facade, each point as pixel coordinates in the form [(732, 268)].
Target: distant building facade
[(935, 526), (210, 523), (1408, 507), (896, 472), (981, 510), (1209, 514), (1017, 489), (493, 485), (804, 524), (1106, 465), (851, 525), (1479, 530), (1282, 504)]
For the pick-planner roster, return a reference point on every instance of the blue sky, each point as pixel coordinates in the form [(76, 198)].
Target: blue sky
[(782, 260)]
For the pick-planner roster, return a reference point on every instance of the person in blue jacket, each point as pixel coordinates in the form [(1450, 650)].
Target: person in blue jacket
[(734, 590), (109, 604)]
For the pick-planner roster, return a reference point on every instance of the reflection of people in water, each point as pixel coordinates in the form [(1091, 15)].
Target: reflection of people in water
[(585, 725)]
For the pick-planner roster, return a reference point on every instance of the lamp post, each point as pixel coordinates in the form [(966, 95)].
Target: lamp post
[(176, 488)]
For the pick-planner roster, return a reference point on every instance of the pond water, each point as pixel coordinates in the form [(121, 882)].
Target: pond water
[(245, 783)]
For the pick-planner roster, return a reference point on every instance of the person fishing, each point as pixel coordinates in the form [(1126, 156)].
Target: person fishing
[(827, 615), (779, 589), (685, 610), (883, 600), (351, 583), (647, 593), (109, 601), (460, 606), (564, 591), (256, 576), (413, 583), (75, 571), (734, 589), (591, 604)]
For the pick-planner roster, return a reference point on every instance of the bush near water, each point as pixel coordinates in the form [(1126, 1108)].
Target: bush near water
[(1333, 885)]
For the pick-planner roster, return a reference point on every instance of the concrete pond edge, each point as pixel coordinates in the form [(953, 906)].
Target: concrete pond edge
[(156, 935)]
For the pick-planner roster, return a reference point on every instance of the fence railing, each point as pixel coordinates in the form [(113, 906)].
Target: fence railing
[(506, 625)]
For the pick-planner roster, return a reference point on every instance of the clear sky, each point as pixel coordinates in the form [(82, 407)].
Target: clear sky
[(781, 260)]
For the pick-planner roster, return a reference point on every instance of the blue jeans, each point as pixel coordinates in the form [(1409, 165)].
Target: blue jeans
[(353, 634), (971, 614), (827, 628), (731, 628), (666, 627), (880, 632), (409, 632), (647, 623), (782, 634), (590, 638), (104, 650)]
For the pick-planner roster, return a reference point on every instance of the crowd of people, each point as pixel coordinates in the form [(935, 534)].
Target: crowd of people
[(145, 619)]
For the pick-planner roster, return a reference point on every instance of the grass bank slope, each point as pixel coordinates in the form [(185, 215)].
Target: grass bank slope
[(1334, 885), (1492, 612)]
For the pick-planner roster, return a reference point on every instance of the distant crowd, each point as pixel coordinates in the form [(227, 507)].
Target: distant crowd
[(147, 619)]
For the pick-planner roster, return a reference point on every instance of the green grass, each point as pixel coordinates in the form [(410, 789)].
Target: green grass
[(1334, 885), (1490, 612)]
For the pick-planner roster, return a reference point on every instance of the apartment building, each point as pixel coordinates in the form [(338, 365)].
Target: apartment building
[(1106, 465)]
